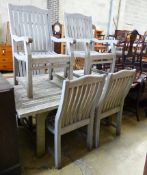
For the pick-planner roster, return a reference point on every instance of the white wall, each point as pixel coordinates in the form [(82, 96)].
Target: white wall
[(135, 16), (4, 12), (98, 9)]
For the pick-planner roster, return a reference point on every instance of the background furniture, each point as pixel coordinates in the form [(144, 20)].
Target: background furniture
[(9, 158), (57, 32), (76, 109), (129, 51), (98, 34), (112, 100), (6, 63), (137, 96), (36, 38)]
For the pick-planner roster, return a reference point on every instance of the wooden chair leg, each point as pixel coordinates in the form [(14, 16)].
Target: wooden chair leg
[(29, 79), (97, 133), (65, 72), (118, 122), (71, 70), (50, 72), (137, 112), (57, 145), (15, 70), (90, 135)]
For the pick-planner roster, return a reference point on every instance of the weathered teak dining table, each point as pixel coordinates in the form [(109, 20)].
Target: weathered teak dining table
[(46, 97)]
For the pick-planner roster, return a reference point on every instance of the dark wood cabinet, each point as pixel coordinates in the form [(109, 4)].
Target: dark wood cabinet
[(9, 157), (6, 63)]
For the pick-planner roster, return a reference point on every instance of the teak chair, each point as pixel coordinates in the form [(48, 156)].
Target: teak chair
[(30, 28), (112, 100), (79, 28), (76, 109)]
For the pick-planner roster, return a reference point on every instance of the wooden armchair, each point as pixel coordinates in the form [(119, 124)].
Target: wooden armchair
[(76, 109), (79, 28), (112, 100), (32, 44)]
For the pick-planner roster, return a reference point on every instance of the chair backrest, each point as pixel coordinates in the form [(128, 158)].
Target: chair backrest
[(121, 35), (79, 98), (131, 38), (78, 26), (32, 22), (115, 90)]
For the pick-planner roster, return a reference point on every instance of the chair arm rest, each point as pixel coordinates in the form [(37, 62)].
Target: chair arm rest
[(104, 41), (82, 40), (64, 40), (22, 38)]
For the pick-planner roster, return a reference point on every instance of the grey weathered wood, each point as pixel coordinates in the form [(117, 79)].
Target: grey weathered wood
[(31, 27), (112, 100), (76, 109), (47, 96), (40, 133), (79, 27)]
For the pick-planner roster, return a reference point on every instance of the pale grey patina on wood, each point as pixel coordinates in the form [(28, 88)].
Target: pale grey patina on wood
[(76, 109), (32, 45), (79, 28), (46, 98), (112, 99)]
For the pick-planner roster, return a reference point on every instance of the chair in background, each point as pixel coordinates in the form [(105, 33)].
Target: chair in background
[(112, 100), (137, 96), (130, 48), (79, 28), (32, 44), (144, 54), (121, 36), (130, 51), (76, 109)]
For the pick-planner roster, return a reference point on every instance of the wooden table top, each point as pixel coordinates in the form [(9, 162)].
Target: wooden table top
[(46, 96)]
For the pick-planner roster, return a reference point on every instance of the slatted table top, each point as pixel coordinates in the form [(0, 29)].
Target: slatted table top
[(46, 96)]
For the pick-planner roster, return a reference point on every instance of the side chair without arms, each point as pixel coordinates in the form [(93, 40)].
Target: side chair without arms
[(131, 51), (79, 28), (144, 54), (76, 109), (112, 100), (32, 44), (137, 96)]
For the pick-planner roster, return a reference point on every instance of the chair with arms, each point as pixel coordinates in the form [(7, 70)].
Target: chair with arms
[(32, 44), (112, 100), (76, 109), (79, 28)]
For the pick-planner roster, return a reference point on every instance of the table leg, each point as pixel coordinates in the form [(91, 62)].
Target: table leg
[(40, 133)]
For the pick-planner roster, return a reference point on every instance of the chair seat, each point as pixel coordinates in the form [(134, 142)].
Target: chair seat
[(93, 54), (46, 57)]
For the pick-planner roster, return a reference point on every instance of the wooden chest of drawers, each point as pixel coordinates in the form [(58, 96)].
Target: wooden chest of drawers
[(6, 63)]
